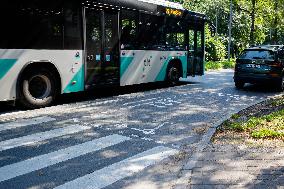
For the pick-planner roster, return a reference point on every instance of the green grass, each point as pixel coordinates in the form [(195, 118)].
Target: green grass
[(266, 127), (235, 116), (278, 102), (211, 65)]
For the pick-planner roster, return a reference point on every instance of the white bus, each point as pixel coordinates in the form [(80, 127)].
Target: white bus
[(51, 47)]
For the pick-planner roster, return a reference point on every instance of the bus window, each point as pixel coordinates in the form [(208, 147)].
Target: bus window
[(195, 52), (191, 41), (151, 32), (72, 29), (129, 29), (191, 52), (32, 26), (199, 43), (175, 35)]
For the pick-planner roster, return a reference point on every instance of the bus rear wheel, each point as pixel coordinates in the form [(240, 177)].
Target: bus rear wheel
[(173, 75), (37, 89)]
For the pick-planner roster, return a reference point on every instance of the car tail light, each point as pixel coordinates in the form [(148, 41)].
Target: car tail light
[(274, 75), (276, 64)]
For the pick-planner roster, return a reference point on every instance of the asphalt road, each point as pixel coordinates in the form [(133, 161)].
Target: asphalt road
[(135, 137)]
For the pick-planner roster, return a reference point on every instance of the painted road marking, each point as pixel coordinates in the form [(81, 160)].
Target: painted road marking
[(38, 137), (25, 123), (115, 172), (138, 102), (39, 162)]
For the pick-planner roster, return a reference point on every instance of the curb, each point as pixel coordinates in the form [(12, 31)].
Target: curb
[(186, 172)]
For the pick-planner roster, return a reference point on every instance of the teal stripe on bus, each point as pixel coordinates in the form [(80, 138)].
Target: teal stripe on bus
[(77, 83), (162, 74), (5, 66), (125, 62)]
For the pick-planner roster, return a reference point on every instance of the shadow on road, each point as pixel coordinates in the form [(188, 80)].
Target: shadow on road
[(105, 92), (98, 93)]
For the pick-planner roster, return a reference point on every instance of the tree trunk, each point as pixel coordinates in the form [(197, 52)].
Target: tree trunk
[(252, 28), (275, 35)]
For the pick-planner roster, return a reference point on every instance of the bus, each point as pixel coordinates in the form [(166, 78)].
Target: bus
[(53, 47)]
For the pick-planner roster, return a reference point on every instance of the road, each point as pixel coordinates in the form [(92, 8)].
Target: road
[(136, 140)]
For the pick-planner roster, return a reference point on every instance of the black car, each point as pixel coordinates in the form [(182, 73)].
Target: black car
[(262, 64)]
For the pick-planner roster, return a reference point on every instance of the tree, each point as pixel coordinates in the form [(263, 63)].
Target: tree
[(254, 21)]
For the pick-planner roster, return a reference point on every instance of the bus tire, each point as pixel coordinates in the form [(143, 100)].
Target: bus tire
[(173, 75), (37, 88)]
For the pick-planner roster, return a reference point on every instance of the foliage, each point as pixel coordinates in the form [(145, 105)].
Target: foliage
[(254, 22), (215, 49), (211, 65), (265, 127), (215, 65)]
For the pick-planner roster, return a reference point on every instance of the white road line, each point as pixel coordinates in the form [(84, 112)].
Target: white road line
[(25, 123), (38, 137), (115, 172), (140, 101), (39, 162)]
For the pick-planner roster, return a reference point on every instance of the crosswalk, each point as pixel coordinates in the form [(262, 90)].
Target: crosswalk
[(123, 164), (24, 123)]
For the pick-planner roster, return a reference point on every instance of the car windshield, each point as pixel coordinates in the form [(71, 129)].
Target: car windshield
[(257, 54)]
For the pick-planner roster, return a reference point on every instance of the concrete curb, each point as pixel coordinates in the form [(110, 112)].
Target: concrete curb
[(186, 172)]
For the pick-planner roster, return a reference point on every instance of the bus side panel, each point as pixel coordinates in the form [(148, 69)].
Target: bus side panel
[(69, 64), (141, 66)]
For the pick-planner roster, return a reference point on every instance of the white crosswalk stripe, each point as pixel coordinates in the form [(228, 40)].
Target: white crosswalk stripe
[(38, 137), (25, 123), (98, 179), (36, 163), (115, 172)]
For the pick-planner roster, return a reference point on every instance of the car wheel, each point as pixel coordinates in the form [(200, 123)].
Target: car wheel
[(239, 84), (37, 89), (280, 85)]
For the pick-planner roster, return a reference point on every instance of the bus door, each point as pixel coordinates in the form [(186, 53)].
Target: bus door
[(196, 52), (102, 52)]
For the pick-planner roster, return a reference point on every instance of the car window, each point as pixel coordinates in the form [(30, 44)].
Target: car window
[(257, 54)]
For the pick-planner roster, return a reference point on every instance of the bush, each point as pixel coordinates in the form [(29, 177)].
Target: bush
[(215, 49), (215, 65), (229, 64), (214, 46), (211, 65)]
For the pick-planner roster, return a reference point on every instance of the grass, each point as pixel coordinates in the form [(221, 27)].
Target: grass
[(236, 116), (266, 127), (278, 102), (225, 64)]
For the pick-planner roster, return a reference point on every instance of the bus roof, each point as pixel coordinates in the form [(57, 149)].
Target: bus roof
[(164, 3), (156, 7)]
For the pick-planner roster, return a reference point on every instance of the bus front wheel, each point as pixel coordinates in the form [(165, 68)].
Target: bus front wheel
[(37, 88), (173, 75)]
